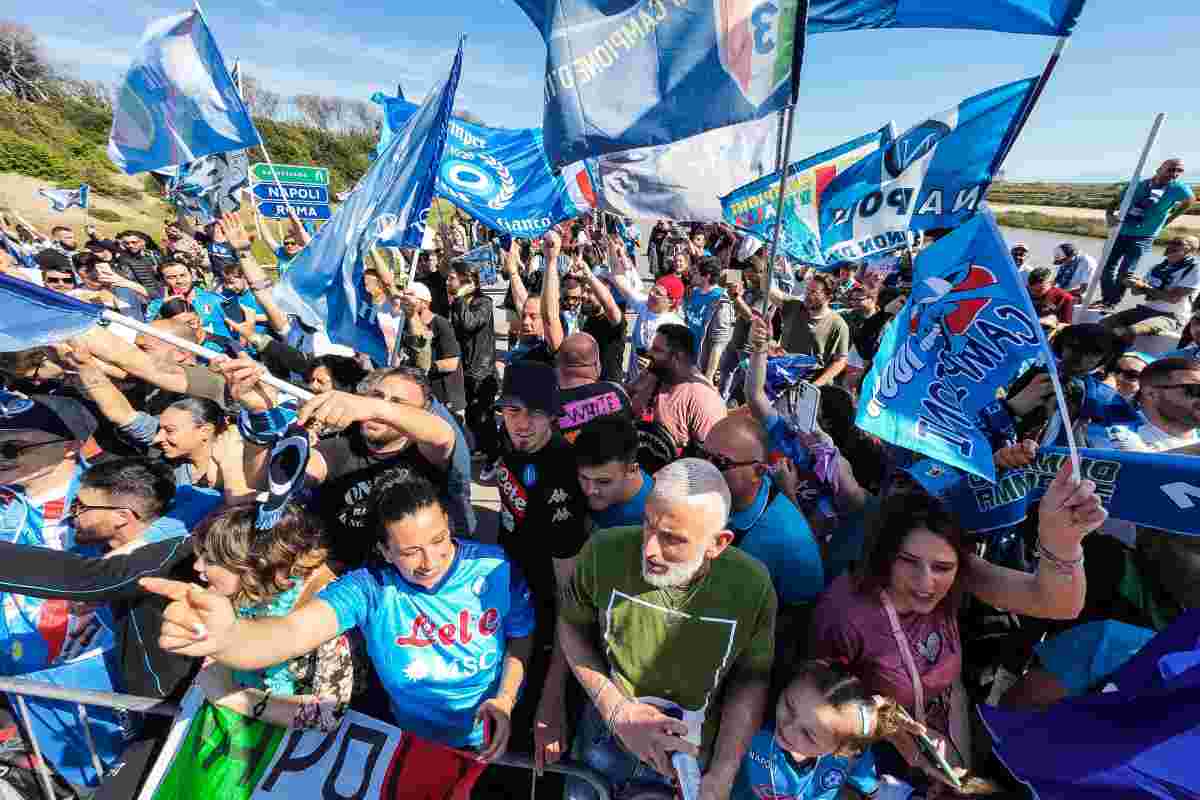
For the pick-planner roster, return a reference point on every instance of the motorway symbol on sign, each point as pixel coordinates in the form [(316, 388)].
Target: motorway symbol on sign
[(304, 211), (292, 173), (295, 192)]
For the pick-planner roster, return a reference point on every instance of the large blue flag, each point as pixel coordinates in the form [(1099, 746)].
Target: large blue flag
[(396, 113), (967, 330), (628, 74), (934, 175), (34, 316), (178, 101), (501, 177), (389, 205), (62, 199), (752, 207), (211, 186), (1046, 17)]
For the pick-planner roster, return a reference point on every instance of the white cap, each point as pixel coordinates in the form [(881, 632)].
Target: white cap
[(748, 247), (420, 291)]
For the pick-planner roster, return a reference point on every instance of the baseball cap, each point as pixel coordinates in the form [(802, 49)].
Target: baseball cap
[(60, 416), (673, 286), (531, 385), (1065, 250), (420, 291), (1019, 246)]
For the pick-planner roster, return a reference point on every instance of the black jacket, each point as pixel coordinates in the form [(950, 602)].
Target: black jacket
[(149, 671), (475, 329)]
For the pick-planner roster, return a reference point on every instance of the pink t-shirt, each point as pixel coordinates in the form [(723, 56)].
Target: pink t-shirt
[(853, 629), (688, 410)]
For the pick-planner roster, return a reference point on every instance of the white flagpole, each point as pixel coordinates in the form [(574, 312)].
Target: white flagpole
[(782, 160), (202, 352), (1126, 202)]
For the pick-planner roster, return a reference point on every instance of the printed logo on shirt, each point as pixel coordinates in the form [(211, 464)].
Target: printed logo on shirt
[(436, 669), (479, 586), (514, 495), (581, 412), (425, 633), (529, 476), (931, 648), (833, 779), (558, 496), (562, 515)]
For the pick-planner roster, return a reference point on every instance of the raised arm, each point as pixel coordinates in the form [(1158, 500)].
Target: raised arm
[(114, 350), (264, 232), (512, 268), (611, 310), (298, 230), (756, 375), (256, 276), (551, 319)]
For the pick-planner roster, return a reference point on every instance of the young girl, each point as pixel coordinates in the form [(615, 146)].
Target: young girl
[(816, 749), (267, 574)]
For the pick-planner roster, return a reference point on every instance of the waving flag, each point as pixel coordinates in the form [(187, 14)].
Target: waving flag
[(62, 199), (967, 330), (211, 186), (638, 74), (684, 180), (19, 254), (1046, 17), (388, 206), (752, 207), (34, 316), (501, 178), (934, 175), (178, 101), (396, 113)]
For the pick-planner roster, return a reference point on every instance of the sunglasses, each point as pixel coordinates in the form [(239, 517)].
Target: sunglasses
[(725, 463), (64, 281), (79, 507), (1190, 390), (1130, 374), (290, 243), (10, 450)]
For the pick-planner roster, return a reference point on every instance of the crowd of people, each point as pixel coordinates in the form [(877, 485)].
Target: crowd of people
[(686, 574)]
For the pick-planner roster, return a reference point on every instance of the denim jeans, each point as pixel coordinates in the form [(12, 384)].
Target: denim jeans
[(1126, 253), (597, 747)]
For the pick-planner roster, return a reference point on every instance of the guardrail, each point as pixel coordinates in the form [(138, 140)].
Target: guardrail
[(82, 698)]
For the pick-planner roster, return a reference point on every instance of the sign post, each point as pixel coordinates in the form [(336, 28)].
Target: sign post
[(298, 188)]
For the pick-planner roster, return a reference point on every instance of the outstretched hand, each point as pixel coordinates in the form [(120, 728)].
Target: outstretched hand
[(196, 622)]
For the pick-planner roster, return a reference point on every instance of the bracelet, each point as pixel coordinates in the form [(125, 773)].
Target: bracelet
[(1061, 566), (261, 705), (616, 710)]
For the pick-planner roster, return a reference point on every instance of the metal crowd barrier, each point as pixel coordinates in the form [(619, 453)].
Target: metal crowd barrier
[(82, 698)]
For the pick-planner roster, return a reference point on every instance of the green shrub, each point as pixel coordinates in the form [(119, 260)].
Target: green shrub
[(104, 215)]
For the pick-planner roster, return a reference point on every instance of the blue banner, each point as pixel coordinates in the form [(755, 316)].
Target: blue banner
[(396, 113), (324, 284), (934, 175), (501, 178), (1045, 17), (631, 74), (178, 101), (1156, 490), (752, 207), (34, 316), (62, 199), (208, 187), (967, 330)]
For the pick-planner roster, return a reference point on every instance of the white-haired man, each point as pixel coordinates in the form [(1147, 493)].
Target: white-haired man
[(688, 628)]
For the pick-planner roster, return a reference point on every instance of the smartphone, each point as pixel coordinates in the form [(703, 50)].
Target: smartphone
[(930, 751), (803, 403)]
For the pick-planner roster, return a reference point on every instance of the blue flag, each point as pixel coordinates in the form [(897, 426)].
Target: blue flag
[(324, 284), (1046, 17), (501, 178), (62, 199), (1156, 490), (967, 330), (625, 75), (934, 175), (211, 186), (752, 207), (25, 259), (396, 113), (35, 316), (178, 101), (1139, 741)]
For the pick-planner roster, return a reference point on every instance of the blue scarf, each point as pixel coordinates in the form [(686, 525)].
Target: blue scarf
[(278, 679)]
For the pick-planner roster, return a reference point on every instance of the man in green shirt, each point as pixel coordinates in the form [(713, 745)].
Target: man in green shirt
[(670, 631)]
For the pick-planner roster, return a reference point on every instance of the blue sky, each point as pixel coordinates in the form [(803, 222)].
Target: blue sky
[(1124, 63)]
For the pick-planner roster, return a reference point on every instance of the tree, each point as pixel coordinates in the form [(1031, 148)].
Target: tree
[(366, 117), (316, 109), (261, 101), (25, 71)]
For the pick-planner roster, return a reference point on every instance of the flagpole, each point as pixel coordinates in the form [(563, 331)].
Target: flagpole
[(1126, 202), (203, 352), (1010, 138)]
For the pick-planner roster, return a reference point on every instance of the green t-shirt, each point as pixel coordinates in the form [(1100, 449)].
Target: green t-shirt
[(677, 646)]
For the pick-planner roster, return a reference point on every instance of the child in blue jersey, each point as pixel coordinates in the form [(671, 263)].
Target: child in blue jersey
[(824, 720), (447, 625)]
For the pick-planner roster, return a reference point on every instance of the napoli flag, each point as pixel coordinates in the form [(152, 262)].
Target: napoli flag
[(62, 199), (178, 101), (1044, 17), (967, 330), (396, 113), (631, 74), (34, 316), (324, 285)]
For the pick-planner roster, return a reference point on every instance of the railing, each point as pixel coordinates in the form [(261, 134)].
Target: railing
[(146, 705)]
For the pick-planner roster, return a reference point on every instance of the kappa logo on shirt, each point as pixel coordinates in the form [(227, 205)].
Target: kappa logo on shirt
[(558, 496), (562, 515)]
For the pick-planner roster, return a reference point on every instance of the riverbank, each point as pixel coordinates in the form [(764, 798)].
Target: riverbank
[(1073, 221)]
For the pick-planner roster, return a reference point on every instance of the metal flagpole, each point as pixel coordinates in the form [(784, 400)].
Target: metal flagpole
[(1126, 202), (789, 110), (203, 352)]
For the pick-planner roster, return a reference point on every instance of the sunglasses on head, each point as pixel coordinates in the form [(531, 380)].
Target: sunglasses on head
[(10, 450), (725, 463)]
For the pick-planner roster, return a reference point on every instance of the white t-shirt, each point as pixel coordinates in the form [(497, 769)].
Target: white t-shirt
[(1084, 270), (1161, 277)]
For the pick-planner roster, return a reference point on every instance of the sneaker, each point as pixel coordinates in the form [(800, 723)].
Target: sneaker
[(488, 473)]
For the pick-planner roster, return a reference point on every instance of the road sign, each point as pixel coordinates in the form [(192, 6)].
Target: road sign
[(273, 209), (292, 173), (294, 192)]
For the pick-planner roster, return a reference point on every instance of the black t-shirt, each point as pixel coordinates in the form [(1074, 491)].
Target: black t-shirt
[(585, 404), (866, 336), (611, 338), (346, 500), (143, 269), (543, 516), (436, 281), (447, 386), (220, 258)]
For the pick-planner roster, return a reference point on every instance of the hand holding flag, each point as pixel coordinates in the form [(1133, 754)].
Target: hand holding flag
[(1069, 511)]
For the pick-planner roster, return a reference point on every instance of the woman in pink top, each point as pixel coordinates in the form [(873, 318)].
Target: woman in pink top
[(893, 623)]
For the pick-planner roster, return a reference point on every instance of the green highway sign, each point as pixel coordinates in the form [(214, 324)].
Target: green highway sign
[(292, 173)]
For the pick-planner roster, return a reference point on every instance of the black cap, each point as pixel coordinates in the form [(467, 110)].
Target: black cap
[(531, 385), (62, 416), (52, 259)]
